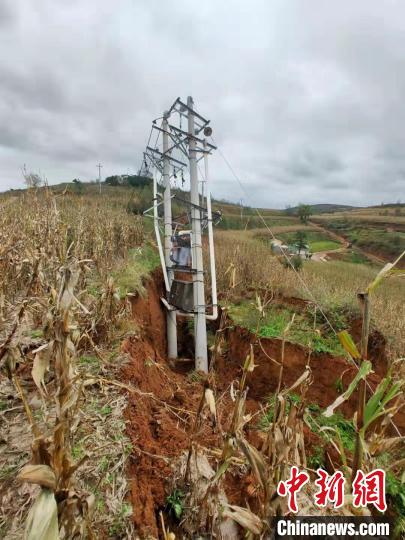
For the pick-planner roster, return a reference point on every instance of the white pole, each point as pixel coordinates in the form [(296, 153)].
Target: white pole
[(157, 233), (99, 177), (211, 241), (167, 205), (200, 329)]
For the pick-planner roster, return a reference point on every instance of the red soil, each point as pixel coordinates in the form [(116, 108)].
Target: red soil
[(158, 423), (155, 430)]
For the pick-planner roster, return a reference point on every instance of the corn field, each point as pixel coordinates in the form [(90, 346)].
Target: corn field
[(57, 302), (72, 449)]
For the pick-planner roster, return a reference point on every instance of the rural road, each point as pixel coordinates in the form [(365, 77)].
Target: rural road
[(320, 256)]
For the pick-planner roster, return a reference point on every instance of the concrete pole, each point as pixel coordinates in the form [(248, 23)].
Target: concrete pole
[(167, 206), (201, 358), (99, 177)]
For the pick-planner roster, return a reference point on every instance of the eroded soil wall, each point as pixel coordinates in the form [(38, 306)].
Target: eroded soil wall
[(162, 409)]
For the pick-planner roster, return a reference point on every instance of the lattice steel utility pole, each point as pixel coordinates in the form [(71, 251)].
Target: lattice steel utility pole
[(99, 166), (200, 328)]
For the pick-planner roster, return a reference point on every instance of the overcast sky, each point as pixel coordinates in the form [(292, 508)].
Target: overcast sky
[(306, 97)]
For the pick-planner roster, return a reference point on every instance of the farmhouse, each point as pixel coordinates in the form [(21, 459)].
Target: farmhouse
[(277, 247)]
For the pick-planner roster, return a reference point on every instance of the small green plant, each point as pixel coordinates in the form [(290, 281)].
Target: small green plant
[(36, 333), (345, 428), (338, 384), (337, 315), (106, 410), (175, 503), (104, 464), (317, 460), (78, 452), (275, 327)]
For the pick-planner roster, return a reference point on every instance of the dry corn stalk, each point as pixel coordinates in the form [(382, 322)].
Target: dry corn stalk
[(52, 465)]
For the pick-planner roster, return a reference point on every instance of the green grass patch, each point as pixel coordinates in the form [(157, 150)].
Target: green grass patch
[(355, 257), (118, 527), (141, 262), (323, 245), (317, 240), (89, 360), (275, 321)]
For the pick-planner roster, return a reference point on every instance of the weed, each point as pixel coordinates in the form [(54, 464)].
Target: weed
[(194, 376), (88, 360), (104, 464), (175, 503), (105, 410), (395, 489), (129, 278), (78, 452), (100, 505), (276, 319), (3, 405), (344, 427), (295, 262)]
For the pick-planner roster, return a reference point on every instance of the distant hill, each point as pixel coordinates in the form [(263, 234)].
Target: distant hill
[(325, 208)]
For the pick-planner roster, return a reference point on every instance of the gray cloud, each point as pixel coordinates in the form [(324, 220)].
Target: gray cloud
[(305, 98)]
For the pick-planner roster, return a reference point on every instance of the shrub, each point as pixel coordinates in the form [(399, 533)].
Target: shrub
[(295, 262)]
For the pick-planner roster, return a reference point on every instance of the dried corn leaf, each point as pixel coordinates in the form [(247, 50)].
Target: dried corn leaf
[(249, 364), (382, 445), (39, 368), (210, 400), (42, 475), (297, 383), (42, 521), (244, 517), (255, 460)]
